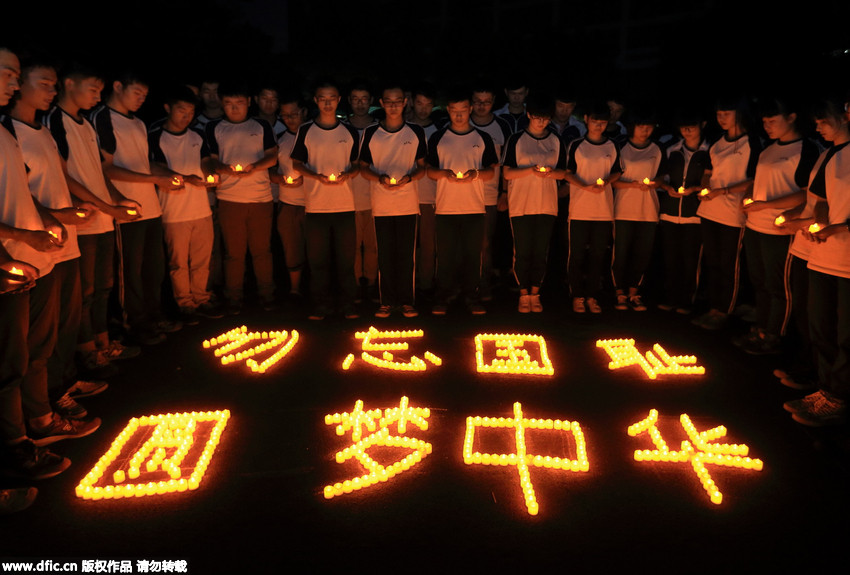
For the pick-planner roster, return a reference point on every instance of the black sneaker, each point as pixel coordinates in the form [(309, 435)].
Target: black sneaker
[(189, 316), (209, 311), (63, 428), (14, 500), (82, 388), (66, 407), (27, 460)]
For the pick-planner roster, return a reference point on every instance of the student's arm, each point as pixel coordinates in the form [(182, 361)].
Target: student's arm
[(39, 240), (783, 203), (24, 277)]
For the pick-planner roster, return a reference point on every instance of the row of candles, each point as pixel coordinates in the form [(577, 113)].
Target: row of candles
[(511, 357), (171, 431), (377, 421), (240, 337), (387, 360), (728, 455), (623, 353), (522, 459)]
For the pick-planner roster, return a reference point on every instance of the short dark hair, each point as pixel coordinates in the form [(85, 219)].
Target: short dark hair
[(181, 93), (540, 104), (599, 111), (233, 90)]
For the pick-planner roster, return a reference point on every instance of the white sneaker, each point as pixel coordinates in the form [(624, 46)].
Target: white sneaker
[(536, 306), (578, 305), (593, 305), (622, 301), (524, 304)]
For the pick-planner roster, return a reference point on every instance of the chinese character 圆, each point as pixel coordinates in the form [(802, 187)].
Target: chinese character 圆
[(510, 354), (377, 422), (623, 353), (372, 344), (167, 455), (227, 343), (522, 459), (699, 451)]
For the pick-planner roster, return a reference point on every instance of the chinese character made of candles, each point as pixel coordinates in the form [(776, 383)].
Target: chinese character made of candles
[(387, 360), (623, 353), (511, 355), (240, 337), (173, 439), (377, 422), (699, 451), (522, 459)]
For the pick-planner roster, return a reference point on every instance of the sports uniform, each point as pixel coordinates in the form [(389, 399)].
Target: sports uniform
[(329, 209), (290, 217), (245, 206), (460, 210), (395, 210), (186, 216)]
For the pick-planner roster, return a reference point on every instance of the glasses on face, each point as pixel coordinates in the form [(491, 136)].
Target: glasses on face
[(540, 118)]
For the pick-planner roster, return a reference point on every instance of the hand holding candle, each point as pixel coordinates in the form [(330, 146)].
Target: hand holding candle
[(600, 182), (780, 219)]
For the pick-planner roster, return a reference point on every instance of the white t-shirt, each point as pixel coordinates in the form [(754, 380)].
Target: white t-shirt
[(77, 143), (126, 138), (783, 169), (634, 204), (293, 196), (361, 188), (46, 179), (590, 161), (16, 205), (833, 256), (241, 144), (449, 150), (182, 153), (327, 151), (427, 186), (531, 194), (499, 130), (395, 154), (732, 162)]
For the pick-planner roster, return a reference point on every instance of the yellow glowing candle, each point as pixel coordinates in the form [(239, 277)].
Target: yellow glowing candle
[(779, 220), (289, 179), (681, 189), (459, 175), (54, 234), (237, 168), (600, 182), (177, 180), (81, 213), (16, 272), (542, 169), (332, 178), (132, 211), (393, 181), (748, 201), (704, 192), (814, 228), (647, 181)]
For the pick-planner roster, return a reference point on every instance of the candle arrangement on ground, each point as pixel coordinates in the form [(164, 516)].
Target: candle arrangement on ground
[(170, 441), (521, 459), (371, 345), (377, 422), (512, 355), (623, 353), (240, 337), (698, 450)]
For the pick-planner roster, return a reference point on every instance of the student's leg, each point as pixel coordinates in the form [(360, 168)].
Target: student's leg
[(446, 234), (41, 340), (344, 238), (472, 229), (543, 225), (579, 236), (14, 324), (260, 220), (624, 236), (177, 240), (777, 260), (200, 251), (600, 237), (318, 234), (234, 235), (641, 253), (60, 366), (385, 234), (405, 232), (523, 232), (290, 226), (426, 253)]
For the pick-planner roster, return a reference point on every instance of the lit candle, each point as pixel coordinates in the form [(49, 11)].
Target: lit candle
[(647, 181), (132, 211), (459, 175), (704, 192), (780, 219), (211, 179), (681, 189), (289, 179), (237, 168), (600, 182), (542, 169), (748, 201), (177, 181), (332, 177), (54, 234), (814, 228), (81, 213), (16, 272), (393, 181)]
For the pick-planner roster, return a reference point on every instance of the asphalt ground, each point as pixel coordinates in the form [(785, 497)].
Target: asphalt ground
[(261, 506)]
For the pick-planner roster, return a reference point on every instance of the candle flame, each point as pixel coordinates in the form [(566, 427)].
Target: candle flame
[(814, 228)]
